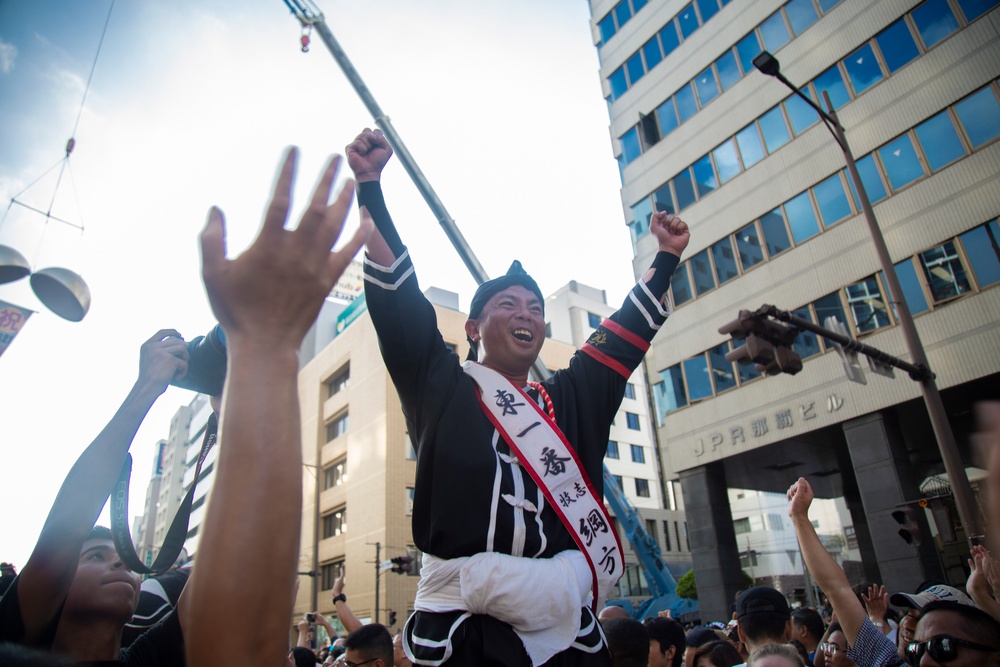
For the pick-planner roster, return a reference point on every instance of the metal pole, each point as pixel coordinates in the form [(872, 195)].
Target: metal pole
[(315, 540), (378, 573)]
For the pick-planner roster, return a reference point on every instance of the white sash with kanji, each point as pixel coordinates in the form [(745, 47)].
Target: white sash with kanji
[(542, 449)]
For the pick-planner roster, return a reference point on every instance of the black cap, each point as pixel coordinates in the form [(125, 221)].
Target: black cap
[(700, 636), (515, 275), (667, 631), (762, 599)]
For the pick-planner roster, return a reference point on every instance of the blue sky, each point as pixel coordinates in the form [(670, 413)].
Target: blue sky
[(191, 105)]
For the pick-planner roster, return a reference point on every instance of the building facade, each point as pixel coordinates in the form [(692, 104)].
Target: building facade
[(697, 131)]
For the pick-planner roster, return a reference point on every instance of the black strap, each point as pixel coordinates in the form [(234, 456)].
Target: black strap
[(177, 533)]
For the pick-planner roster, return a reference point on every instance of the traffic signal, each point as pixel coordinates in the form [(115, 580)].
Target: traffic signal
[(909, 527), (402, 564), (767, 344), (392, 618)]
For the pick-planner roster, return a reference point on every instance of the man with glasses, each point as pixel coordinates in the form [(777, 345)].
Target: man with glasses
[(369, 645), (952, 630)]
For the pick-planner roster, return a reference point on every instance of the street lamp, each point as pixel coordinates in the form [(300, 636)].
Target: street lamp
[(954, 468)]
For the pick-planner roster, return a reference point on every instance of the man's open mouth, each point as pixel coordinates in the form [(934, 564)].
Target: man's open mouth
[(524, 335)]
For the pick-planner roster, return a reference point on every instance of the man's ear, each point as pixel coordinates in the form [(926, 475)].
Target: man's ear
[(472, 329), (739, 631), (670, 653), (788, 630)]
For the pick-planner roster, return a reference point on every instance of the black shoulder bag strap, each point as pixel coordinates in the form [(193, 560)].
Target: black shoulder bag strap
[(176, 535)]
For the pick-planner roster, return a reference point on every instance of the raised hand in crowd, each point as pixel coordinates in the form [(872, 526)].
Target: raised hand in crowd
[(266, 299), (60, 601), (344, 613), (980, 582), (877, 602), (368, 154)]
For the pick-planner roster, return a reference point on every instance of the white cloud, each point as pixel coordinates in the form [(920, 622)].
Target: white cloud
[(8, 52)]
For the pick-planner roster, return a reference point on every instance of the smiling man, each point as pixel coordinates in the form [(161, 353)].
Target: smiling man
[(519, 550)]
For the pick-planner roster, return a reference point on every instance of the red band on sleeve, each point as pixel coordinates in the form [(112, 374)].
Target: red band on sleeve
[(625, 334), (604, 359)]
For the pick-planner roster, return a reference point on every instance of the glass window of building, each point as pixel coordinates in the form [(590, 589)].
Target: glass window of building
[(618, 83), (638, 456), (651, 52), (727, 161), (612, 449), (662, 199), (669, 39), (801, 217), (688, 21), (741, 526), (708, 9), (806, 343), (827, 5), (832, 82), (329, 573), (702, 269), (944, 272), (593, 320), (871, 178), (339, 381), (666, 116), (832, 200), (747, 49), (635, 68), (747, 372), (800, 114), (772, 126), (606, 27), (725, 260), (669, 394), (632, 421), (335, 474), (973, 9), (774, 32), (934, 20), (830, 306), (684, 189), (623, 12), (618, 481), (629, 390), (939, 139), (704, 176), (337, 427), (913, 291), (862, 69), (630, 146), (748, 246), (897, 45), (642, 487), (408, 500), (982, 247), (900, 162), (708, 87), (980, 116), (666, 535), (722, 370), (748, 139), (772, 225), (867, 305), (686, 105), (801, 15), (729, 71), (680, 286), (335, 523), (699, 383)]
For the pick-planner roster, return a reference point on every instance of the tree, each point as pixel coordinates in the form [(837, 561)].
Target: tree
[(686, 587)]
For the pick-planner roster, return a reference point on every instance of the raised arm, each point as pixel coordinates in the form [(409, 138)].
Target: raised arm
[(45, 579), (367, 156), (344, 613), (266, 300)]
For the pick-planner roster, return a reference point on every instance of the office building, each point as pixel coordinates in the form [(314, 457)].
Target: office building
[(762, 183)]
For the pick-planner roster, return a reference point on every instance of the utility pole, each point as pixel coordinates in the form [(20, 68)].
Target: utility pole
[(378, 574)]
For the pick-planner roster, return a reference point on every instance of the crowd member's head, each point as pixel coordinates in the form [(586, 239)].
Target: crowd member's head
[(807, 627), (666, 642), (302, 657), (775, 655), (904, 634), (835, 648), (612, 611), (716, 654), (104, 592), (955, 633), (764, 617), (695, 639), (628, 642), (399, 658), (370, 644)]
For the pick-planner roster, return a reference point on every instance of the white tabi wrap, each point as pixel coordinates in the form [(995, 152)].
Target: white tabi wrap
[(543, 451)]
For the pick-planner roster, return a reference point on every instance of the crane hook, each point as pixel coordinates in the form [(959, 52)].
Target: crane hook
[(305, 39)]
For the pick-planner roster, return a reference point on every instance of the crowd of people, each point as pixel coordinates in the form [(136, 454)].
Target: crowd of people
[(520, 554)]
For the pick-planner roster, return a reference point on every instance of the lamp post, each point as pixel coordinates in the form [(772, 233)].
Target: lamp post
[(954, 468)]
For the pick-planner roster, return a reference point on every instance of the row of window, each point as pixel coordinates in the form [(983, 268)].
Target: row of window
[(619, 15), (929, 279), (930, 146), (340, 380), (694, 15), (335, 523), (338, 426), (755, 523), (735, 63), (335, 474), (894, 47), (641, 485), (637, 451)]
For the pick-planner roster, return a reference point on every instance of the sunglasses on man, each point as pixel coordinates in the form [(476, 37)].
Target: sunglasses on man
[(942, 648)]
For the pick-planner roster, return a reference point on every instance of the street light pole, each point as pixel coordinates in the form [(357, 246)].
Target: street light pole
[(954, 468)]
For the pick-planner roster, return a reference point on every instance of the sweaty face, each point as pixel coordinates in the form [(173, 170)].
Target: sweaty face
[(102, 585), (510, 331)]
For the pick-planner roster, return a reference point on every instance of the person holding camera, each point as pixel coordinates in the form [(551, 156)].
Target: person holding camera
[(74, 595)]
